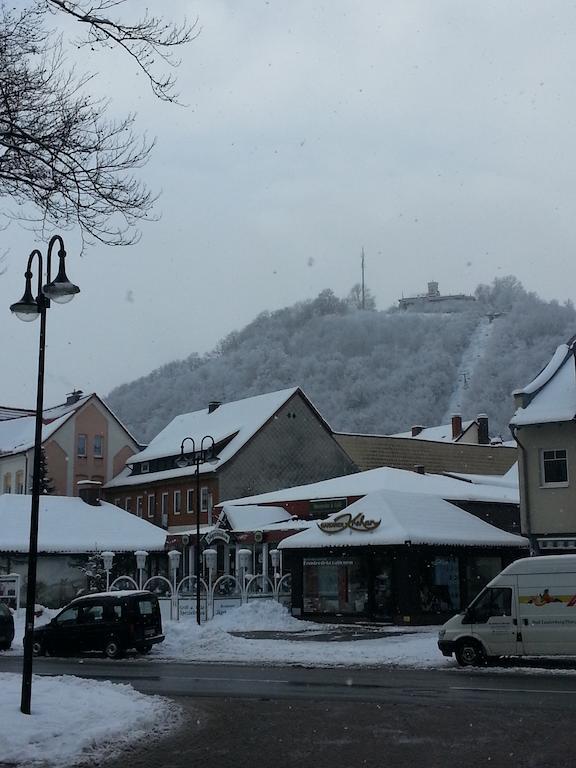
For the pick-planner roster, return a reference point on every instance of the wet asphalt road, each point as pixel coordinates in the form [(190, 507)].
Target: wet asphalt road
[(289, 716)]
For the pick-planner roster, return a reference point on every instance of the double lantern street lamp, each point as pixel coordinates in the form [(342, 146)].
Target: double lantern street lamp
[(60, 290), (205, 455)]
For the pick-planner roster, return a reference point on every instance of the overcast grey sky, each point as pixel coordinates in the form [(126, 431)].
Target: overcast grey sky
[(438, 135)]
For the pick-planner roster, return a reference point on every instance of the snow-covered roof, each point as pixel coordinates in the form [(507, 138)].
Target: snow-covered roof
[(551, 395), (403, 518), (388, 478), (240, 419), (17, 433), (441, 434), (510, 479), (68, 524), (252, 517)]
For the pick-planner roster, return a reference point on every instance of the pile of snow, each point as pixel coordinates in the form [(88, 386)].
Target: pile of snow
[(75, 720), (260, 615), (212, 642), (43, 616)]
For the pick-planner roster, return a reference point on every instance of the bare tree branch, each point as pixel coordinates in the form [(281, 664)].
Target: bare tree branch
[(58, 150)]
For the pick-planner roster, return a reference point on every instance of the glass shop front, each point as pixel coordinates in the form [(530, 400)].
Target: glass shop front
[(402, 584)]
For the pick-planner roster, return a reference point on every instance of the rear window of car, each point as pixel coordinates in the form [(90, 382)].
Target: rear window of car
[(146, 607)]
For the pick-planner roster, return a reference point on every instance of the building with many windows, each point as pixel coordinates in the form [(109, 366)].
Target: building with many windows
[(262, 443), (82, 440)]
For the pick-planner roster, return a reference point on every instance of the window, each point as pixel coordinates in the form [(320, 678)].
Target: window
[(98, 446), (69, 616), (92, 614), (177, 502), (145, 467), (117, 502), (190, 500), (8, 482), (496, 601), (204, 499), (139, 506), (146, 607), (82, 446), (164, 504), (128, 504), (20, 481), (554, 467), (151, 506)]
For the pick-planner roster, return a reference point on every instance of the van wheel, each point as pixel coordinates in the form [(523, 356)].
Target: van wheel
[(38, 648), (469, 653), (113, 649), (144, 648)]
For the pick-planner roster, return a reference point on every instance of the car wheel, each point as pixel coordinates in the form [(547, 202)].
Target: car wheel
[(113, 649), (470, 653), (38, 648), (145, 648)]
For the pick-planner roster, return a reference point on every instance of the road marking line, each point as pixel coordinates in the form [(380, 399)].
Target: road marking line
[(509, 690)]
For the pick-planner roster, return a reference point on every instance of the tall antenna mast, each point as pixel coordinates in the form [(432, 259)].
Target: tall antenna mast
[(363, 290)]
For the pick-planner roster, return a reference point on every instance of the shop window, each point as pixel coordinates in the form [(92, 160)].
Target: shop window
[(82, 446), (335, 585), (439, 584), (98, 446), (554, 467), (479, 571), (7, 484)]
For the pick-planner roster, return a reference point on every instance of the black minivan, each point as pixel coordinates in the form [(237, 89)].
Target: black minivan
[(109, 622)]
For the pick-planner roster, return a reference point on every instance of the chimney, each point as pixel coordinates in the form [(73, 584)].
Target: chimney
[(456, 425), (89, 491), (420, 469), (483, 435), (416, 429), (213, 405), (73, 397)]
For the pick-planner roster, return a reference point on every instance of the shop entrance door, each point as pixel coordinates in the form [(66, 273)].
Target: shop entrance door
[(383, 596)]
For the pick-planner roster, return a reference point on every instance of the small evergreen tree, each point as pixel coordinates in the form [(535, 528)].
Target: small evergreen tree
[(46, 482)]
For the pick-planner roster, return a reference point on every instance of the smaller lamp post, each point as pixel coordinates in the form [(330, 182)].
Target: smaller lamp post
[(107, 559), (244, 561), (141, 556), (174, 557), (203, 456), (211, 561), (275, 557)]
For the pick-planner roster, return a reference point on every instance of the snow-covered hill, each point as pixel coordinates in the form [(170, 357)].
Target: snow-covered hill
[(367, 371)]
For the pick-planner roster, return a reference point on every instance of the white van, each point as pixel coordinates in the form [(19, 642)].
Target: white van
[(527, 610)]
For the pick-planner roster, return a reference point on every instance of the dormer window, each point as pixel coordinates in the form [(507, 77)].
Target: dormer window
[(145, 467)]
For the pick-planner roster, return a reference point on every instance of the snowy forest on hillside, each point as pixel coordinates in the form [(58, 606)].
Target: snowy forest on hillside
[(367, 370)]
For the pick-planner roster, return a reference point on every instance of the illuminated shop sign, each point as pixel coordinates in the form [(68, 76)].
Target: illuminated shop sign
[(346, 520)]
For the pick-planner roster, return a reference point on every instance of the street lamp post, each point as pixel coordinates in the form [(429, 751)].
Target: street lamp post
[(203, 455), (61, 290)]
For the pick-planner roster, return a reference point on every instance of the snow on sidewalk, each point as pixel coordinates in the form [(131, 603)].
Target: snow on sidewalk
[(212, 642), (75, 720)]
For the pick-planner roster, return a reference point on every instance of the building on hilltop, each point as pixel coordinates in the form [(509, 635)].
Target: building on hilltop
[(544, 426), (434, 297), (82, 439)]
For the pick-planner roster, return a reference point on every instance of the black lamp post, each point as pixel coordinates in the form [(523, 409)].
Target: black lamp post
[(202, 456), (61, 290)]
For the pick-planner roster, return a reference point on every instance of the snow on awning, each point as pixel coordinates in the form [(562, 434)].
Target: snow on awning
[(253, 517), (387, 518), (69, 525)]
